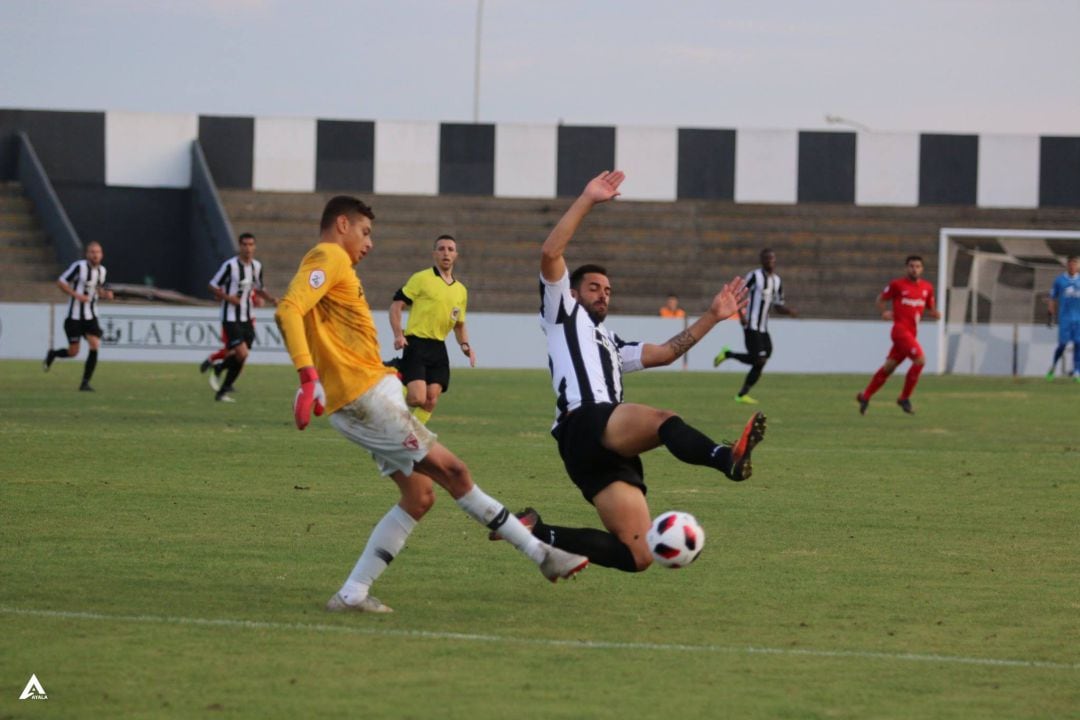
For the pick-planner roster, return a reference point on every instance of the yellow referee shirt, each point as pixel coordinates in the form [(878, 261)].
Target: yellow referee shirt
[(326, 322), (434, 307)]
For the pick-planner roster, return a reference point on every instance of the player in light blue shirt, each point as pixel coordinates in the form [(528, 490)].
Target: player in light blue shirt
[(1065, 306)]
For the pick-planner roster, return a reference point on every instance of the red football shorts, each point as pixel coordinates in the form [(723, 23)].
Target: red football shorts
[(905, 346)]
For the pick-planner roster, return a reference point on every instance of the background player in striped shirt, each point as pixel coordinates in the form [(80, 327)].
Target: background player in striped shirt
[(600, 437), (236, 284), (437, 302), (766, 292), (910, 297), (1065, 308), (330, 335), (84, 281)]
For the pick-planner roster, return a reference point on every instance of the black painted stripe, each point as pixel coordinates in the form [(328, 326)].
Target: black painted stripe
[(384, 555)]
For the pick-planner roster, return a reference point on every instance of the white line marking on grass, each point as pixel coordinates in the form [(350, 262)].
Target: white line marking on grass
[(544, 642)]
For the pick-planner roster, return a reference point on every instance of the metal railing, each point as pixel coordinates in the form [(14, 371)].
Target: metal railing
[(47, 206), (212, 238)]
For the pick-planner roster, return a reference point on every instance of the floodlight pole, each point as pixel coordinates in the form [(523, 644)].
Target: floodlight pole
[(476, 63)]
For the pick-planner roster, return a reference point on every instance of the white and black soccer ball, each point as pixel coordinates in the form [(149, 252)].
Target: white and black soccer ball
[(675, 539)]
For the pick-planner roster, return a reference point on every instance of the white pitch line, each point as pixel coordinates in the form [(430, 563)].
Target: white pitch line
[(545, 642)]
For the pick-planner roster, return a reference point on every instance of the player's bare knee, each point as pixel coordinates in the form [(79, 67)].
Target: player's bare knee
[(663, 416), (458, 480), (419, 503), (73, 349), (642, 557)]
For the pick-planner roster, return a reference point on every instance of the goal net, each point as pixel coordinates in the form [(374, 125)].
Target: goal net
[(993, 291)]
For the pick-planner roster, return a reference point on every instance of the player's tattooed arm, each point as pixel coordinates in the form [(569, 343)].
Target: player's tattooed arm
[(681, 343)]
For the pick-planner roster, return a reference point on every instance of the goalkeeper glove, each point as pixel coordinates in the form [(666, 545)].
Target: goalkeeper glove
[(310, 393)]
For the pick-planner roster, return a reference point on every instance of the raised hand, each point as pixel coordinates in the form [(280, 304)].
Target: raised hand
[(731, 299), (604, 186)]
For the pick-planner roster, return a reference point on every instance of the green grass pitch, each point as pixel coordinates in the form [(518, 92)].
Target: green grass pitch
[(165, 556)]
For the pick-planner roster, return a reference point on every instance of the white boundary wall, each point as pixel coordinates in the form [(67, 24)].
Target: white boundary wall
[(141, 333), (171, 334)]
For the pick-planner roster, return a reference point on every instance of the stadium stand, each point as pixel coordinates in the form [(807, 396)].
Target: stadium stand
[(28, 263), (834, 258)]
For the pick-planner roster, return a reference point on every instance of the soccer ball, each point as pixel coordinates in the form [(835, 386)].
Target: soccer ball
[(675, 539)]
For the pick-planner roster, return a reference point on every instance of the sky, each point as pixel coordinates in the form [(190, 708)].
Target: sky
[(968, 66)]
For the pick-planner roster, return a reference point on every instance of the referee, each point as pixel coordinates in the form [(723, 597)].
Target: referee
[(436, 303)]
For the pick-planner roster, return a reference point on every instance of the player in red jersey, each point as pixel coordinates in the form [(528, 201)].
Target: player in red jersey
[(910, 296)]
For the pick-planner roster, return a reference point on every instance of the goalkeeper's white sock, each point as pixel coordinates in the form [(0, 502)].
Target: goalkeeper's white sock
[(489, 512), (382, 547)]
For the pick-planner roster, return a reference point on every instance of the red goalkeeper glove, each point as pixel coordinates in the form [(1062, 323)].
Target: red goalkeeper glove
[(310, 393)]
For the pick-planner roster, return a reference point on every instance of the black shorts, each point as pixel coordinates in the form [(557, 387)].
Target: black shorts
[(425, 359), (590, 465), (75, 329), (238, 332), (758, 344)]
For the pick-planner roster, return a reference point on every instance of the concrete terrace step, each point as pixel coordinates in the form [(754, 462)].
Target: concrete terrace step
[(834, 258), (29, 290)]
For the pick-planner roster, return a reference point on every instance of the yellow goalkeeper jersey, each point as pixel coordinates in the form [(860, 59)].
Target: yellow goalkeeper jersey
[(325, 321), (435, 307)]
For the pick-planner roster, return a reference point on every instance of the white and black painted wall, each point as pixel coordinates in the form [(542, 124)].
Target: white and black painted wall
[(141, 150)]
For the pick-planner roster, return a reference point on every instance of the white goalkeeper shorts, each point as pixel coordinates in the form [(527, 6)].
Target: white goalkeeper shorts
[(380, 422)]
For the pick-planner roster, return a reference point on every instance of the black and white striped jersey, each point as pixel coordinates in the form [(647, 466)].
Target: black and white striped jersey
[(586, 360), (765, 291), (85, 279), (236, 278)]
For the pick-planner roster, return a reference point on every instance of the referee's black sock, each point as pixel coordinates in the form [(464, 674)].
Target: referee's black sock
[(62, 352), (88, 369), (692, 446), (602, 548)]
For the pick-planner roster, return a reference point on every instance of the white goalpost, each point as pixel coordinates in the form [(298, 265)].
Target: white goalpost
[(993, 285)]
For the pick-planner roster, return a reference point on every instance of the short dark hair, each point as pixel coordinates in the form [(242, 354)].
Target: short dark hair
[(343, 205), (245, 236), (444, 236), (766, 251), (578, 274), (1072, 257), (914, 257)]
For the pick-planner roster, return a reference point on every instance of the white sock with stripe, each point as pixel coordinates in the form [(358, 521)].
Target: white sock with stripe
[(382, 547), (489, 512)]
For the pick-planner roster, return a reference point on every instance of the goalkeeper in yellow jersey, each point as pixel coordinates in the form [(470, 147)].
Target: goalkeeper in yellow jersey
[(330, 335)]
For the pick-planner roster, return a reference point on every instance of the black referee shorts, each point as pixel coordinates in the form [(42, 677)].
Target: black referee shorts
[(239, 332), (590, 465), (76, 329), (758, 344), (425, 359)]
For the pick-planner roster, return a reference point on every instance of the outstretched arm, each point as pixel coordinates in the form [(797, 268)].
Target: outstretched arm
[(601, 188), (732, 298)]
